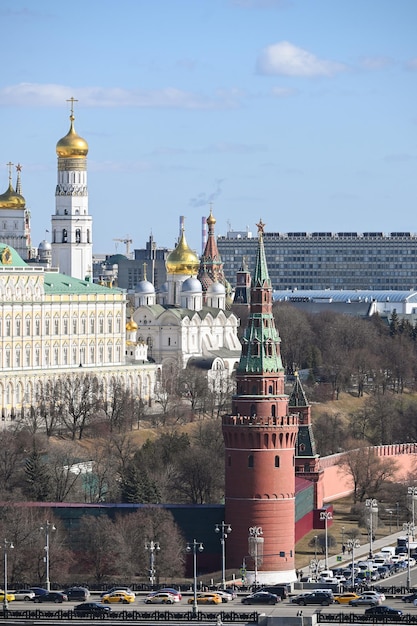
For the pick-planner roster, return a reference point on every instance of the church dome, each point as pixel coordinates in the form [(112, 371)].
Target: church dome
[(144, 286), (131, 325), (216, 288), (191, 285), (11, 200), (72, 145), (182, 260), (44, 245), (211, 220)]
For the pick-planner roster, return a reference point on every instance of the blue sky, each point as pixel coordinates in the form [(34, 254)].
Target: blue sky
[(302, 112)]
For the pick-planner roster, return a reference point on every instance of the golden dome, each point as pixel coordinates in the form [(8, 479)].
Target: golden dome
[(182, 260), (12, 200), (131, 325), (211, 220), (72, 145)]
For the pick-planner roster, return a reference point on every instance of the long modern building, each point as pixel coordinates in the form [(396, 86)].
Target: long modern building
[(326, 260)]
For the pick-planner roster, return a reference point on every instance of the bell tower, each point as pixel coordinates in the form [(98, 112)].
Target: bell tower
[(260, 437)]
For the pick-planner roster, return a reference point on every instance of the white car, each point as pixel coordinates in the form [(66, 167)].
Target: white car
[(225, 596), (161, 598), (377, 594), (24, 594)]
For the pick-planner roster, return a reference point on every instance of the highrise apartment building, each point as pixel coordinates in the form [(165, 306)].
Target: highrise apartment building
[(325, 260)]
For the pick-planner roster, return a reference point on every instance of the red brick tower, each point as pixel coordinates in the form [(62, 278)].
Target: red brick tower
[(260, 438)]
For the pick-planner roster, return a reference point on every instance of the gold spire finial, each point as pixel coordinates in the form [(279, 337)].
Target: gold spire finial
[(261, 227)]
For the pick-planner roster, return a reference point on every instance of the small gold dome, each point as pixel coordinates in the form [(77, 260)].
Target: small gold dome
[(182, 260), (12, 200), (211, 220), (72, 145), (131, 325)]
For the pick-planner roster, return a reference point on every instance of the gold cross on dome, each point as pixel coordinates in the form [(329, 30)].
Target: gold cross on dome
[(72, 100), (10, 165)]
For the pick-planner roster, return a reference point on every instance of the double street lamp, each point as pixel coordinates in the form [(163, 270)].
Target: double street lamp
[(372, 505), (409, 529), (352, 544), (326, 516), (256, 544), (7, 545), (152, 546), (47, 527), (194, 547), (224, 529), (412, 491)]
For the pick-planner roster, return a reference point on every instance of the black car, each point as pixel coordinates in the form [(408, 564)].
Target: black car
[(38, 591), (410, 597), (318, 597), (384, 611), (261, 597), (51, 596), (77, 593), (91, 608)]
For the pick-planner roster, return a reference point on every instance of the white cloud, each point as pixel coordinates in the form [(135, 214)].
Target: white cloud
[(285, 59), (375, 63), (283, 92), (50, 95)]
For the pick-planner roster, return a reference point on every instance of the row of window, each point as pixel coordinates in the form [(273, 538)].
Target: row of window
[(60, 325), (59, 356)]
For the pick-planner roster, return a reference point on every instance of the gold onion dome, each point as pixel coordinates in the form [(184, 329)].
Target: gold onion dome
[(182, 260), (11, 200), (131, 325), (211, 220), (72, 145)]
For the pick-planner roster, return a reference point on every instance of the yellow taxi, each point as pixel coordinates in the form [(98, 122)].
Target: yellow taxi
[(345, 598), (121, 597), (10, 596), (206, 598)]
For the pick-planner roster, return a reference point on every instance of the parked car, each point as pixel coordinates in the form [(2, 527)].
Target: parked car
[(24, 594), (121, 588), (261, 597), (313, 598), (77, 593), (383, 611), (10, 596), (51, 596), (345, 598), (91, 608), (171, 590), (206, 598), (366, 600), (161, 598), (118, 597), (225, 596), (38, 591)]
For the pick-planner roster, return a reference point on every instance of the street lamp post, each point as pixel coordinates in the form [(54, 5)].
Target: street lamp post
[(409, 529), (152, 546), (47, 527), (343, 537), (7, 546), (194, 547), (372, 505), (412, 491), (224, 529), (256, 541), (326, 516), (351, 545)]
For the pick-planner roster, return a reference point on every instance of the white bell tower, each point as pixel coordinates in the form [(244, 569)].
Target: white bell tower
[(72, 242)]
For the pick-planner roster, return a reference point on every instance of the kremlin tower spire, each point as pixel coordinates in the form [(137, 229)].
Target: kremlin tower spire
[(260, 438)]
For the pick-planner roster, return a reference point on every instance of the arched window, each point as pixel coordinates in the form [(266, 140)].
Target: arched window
[(77, 235), (250, 460), (64, 235), (273, 410), (276, 460), (253, 410)]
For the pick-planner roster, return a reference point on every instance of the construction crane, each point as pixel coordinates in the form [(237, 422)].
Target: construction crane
[(127, 241)]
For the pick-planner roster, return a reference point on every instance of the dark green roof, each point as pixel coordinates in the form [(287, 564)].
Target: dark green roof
[(15, 260)]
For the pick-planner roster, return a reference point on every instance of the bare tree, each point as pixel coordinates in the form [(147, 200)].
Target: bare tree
[(79, 403)]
